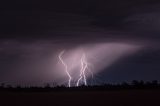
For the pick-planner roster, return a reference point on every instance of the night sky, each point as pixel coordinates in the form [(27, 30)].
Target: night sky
[(123, 36)]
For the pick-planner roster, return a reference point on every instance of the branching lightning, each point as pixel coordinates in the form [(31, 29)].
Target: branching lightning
[(84, 67), (81, 72), (66, 68)]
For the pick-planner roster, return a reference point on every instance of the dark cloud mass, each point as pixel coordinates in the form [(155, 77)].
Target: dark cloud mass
[(33, 32)]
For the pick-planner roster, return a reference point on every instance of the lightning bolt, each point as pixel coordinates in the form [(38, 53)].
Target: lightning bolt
[(84, 69), (66, 68), (84, 66), (81, 72)]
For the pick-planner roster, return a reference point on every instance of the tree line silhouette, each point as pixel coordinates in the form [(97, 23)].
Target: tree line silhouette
[(105, 86)]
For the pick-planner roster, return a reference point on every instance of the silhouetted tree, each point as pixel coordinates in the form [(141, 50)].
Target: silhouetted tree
[(55, 84), (9, 86), (124, 85), (135, 82), (47, 86), (141, 82), (2, 85), (155, 82), (18, 87)]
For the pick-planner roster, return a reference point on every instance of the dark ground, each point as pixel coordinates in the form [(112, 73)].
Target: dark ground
[(82, 98)]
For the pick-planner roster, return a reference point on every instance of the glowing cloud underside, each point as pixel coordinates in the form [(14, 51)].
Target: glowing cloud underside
[(77, 64)]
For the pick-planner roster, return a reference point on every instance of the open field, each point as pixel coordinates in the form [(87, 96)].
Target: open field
[(83, 98)]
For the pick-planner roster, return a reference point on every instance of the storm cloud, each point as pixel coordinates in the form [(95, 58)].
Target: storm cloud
[(32, 33)]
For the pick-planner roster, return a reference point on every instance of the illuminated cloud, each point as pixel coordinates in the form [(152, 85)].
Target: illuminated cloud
[(38, 62), (98, 57)]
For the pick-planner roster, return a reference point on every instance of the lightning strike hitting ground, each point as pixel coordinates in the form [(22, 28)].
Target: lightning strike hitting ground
[(81, 71), (84, 69), (84, 66), (66, 68)]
